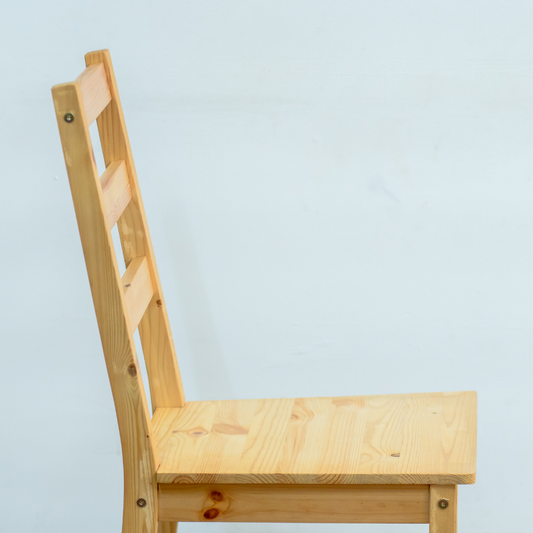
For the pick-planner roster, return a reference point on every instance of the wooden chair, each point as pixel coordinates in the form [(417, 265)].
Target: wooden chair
[(358, 459)]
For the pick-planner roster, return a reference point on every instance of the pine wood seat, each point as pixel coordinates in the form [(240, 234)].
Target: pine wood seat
[(398, 439), (357, 459)]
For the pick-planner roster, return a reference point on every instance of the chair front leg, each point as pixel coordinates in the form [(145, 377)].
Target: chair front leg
[(443, 509)]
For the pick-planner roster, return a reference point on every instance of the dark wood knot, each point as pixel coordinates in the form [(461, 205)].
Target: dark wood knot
[(216, 496), (210, 514)]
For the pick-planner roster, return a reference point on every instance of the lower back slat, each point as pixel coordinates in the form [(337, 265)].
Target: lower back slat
[(94, 91)]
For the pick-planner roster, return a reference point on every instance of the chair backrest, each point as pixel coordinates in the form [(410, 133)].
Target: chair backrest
[(135, 300)]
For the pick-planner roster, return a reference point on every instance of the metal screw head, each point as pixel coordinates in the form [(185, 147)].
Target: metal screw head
[(69, 117), (141, 502), (443, 504)]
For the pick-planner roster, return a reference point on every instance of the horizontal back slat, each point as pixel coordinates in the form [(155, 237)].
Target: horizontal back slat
[(138, 290), (116, 190), (94, 91)]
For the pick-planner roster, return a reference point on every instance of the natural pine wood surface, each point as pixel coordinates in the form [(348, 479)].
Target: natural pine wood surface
[(94, 91), (341, 504), (387, 439)]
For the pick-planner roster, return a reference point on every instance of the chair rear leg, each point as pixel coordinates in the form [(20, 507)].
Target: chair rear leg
[(167, 527), (443, 509)]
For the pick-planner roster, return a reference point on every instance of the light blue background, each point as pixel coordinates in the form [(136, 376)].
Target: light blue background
[(340, 195)]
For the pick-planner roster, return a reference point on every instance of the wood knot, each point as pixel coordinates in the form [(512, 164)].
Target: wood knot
[(159, 303), (216, 496), (210, 514), (395, 454), (198, 432), (295, 417), (132, 370)]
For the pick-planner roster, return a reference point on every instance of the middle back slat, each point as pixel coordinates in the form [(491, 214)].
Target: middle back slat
[(116, 190)]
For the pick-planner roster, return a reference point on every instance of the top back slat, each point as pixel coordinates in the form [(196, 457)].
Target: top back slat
[(94, 91)]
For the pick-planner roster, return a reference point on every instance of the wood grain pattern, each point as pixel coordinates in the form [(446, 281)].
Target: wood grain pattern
[(375, 504), (139, 455), (116, 190), (387, 439), (138, 290), (154, 329), (443, 520), (94, 91)]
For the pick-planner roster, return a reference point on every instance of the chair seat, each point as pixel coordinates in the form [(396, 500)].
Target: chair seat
[(386, 439)]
